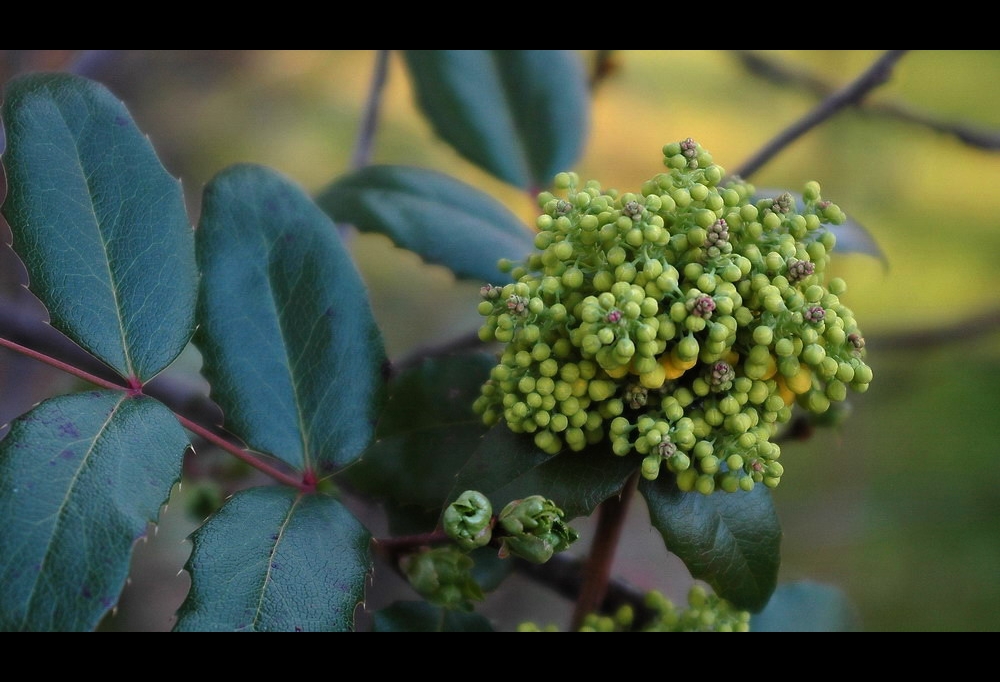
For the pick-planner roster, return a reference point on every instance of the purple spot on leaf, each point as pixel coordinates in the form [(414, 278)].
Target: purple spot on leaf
[(85, 592), (69, 430), (66, 454), (121, 120)]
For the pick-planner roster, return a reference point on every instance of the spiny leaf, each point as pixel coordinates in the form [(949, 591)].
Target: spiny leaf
[(290, 344), (274, 559), (729, 540), (522, 115), (99, 223), (426, 433), (507, 466), (81, 476), (419, 616), (441, 219)]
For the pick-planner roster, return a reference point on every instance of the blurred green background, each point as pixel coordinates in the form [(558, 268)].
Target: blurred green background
[(897, 507)]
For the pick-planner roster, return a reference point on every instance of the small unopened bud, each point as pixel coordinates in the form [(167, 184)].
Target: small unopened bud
[(468, 520), (784, 203), (721, 376), (703, 306), (814, 314), (517, 304), (718, 233), (535, 528), (798, 270), (632, 209), (443, 577), (636, 396)]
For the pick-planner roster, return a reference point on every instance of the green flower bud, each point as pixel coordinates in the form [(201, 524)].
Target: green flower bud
[(443, 577), (535, 529), (468, 520)]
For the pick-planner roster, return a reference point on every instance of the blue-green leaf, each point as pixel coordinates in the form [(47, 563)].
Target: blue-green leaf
[(522, 115), (290, 344), (426, 433), (807, 607), (276, 560), (419, 616), (852, 236), (441, 219), (507, 466), (731, 541), (81, 476), (99, 223)]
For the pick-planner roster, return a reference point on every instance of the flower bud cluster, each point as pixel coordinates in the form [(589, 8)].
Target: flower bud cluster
[(683, 323), (535, 529), (443, 576), (532, 528), (706, 612)]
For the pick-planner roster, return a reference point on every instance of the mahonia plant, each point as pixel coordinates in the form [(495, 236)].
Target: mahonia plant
[(682, 323), (676, 327)]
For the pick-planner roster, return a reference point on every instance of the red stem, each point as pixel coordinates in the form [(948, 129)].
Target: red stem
[(597, 572), (244, 455), (134, 388), (58, 364)]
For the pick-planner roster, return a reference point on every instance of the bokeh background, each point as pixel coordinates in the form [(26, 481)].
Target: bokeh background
[(898, 507)]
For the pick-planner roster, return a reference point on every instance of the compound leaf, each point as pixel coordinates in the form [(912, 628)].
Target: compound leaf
[(441, 219), (522, 115), (291, 347), (729, 540), (99, 223), (81, 477), (507, 466), (274, 559)]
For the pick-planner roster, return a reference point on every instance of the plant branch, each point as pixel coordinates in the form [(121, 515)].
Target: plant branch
[(597, 572), (243, 454), (963, 330), (92, 63), (605, 65), (59, 364), (389, 549), (851, 94), (365, 143), (366, 137), (188, 424), (779, 72), (564, 575), (54, 349)]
